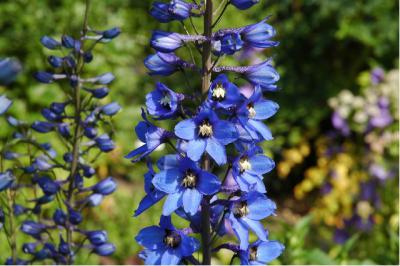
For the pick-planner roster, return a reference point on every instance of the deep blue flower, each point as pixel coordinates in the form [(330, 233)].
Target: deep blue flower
[(167, 245), (111, 109), (32, 228), (259, 35), (98, 237), (105, 143), (29, 248), (160, 11), (58, 108), (186, 184), (5, 104), (105, 186), (6, 180), (55, 61), (243, 4), (206, 132), (153, 195), (99, 93), (223, 93), (227, 44), (88, 171), (68, 41), (49, 115), (48, 185), (105, 249), (44, 77), (111, 33), (59, 217), (252, 112), (63, 247), (162, 102), (64, 130), (149, 134), (180, 10), (50, 43), (90, 132), (245, 214), (248, 169), (261, 253), (163, 64), (9, 70), (42, 127), (75, 217)]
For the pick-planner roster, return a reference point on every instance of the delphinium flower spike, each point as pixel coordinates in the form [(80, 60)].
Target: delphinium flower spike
[(214, 177)]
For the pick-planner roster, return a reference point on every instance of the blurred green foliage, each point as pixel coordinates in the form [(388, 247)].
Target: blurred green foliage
[(324, 46)]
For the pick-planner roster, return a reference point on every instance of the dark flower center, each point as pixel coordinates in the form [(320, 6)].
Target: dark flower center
[(189, 180), (172, 239), (240, 209), (252, 111), (253, 253), (205, 129), (244, 164), (219, 92)]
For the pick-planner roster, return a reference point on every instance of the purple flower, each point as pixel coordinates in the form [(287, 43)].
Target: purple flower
[(377, 75), (340, 124)]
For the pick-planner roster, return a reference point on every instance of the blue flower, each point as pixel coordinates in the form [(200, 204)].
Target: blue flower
[(75, 217), (162, 102), (151, 135), (50, 43), (59, 217), (223, 94), (180, 10), (227, 44), (163, 64), (186, 184), (243, 4), (261, 253), (48, 185), (105, 249), (111, 109), (32, 228), (97, 237), (248, 169), (68, 41), (259, 35), (98, 93), (153, 195), (5, 104), (44, 77), (252, 112), (105, 143), (160, 11), (206, 132), (165, 245), (245, 214), (6, 180), (166, 42), (262, 74), (42, 127), (105, 186), (9, 70), (111, 33)]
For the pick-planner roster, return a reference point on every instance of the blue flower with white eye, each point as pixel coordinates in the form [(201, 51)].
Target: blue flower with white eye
[(164, 244), (248, 169), (151, 136), (223, 94), (261, 252), (205, 132), (259, 35), (250, 116), (244, 4), (245, 214), (162, 102), (185, 185), (153, 195)]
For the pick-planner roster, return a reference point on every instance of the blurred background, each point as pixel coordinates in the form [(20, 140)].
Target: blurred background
[(336, 134)]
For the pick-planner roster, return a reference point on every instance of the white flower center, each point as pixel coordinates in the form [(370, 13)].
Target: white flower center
[(189, 181), (219, 92), (166, 100), (240, 209), (244, 164), (252, 111), (205, 129)]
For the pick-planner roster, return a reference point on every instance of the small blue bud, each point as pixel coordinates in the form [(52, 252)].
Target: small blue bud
[(69, 62), (9, 70), (73, 81), (111, 33), (90, 132), (49, 115), (5, 104), (6, 180), (88, 171), (105, 186), (68, 157), (48, 185), (67, 41), (244, 4), (104, 143), (49, 43), (160, 11), (165, 42), (75, 217), (99, 93), (104, 250), (64, 130), (94, 200), (32, 228), (59, 217), (78, 181), (29, 248), (111, 109), (18, 209), (58, 108), (87, 57), (55, 61), (43, 200), (63, 247), (180, 10), (105, 78), (97, 237), (44, 77)]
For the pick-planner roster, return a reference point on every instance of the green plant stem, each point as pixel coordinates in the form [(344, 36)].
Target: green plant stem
[(205, 84)]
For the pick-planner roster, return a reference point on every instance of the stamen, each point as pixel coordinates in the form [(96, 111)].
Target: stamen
[(244, 164), (253, 253), (172, 239), (219, 92), (252, 111), (189, 181), (205, 129), (240, 209)]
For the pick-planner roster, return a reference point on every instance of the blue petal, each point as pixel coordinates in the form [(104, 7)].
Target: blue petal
[(260, 207), (137, 151), (191, 200), (225, 132), (241, 232), (195, 149), (216, 150), (173, 202), (168, 161), (261, 128), (170, 257), (265, 109), (188, 245), (208, 183), (257, 227), (186, 129), (146, 203), (268, 251), (151, 257), (151, 237), (261, 164), (167, 180), (253, 182)]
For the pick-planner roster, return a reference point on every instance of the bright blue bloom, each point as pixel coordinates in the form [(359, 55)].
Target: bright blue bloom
[(262, 74), (165, 244), (261, 253), (252, 112), (245, 214), (244, 4), (248, 169), (9, 70), (111, 109), (206, 132), (153, 195), (163, 64), (186, 184), (105, 249), (259, 35), (50, 43), (97, 237), (6, 180), (223, 93), (151, 136), (105, 186), (104, 143), (5, 104), (160, 11), (162, 102)]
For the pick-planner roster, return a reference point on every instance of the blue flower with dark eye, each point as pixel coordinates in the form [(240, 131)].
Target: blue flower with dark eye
[(252, 112), (166, 245), (248, 169), (163, 64), (261, 252), (259, 35), (245, 214), (151, 136), (5, 104), (162, 102), (105, 249), (243, 4), (186, 184), (206, 132), (227, 44), (223, 94), (153, 195), (6, 180), (160, 11), (262, 74)]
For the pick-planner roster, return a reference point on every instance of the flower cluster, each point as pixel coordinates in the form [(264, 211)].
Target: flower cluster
[(214, 177), (78, 130)]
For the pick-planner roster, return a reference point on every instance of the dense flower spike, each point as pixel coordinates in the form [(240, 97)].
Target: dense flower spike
[(217, 131)]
